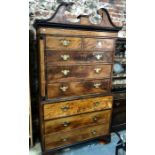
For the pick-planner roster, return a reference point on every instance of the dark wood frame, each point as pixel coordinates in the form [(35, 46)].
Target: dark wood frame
[(48, 22)]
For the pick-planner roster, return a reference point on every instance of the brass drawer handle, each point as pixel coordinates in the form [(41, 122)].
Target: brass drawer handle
[(97, 70), (96, 104), (93, 132), (64, 139), (99, 44), (95, 119), (65, 108), (65, 42), (65, 57), (98, 56), (65, 72), (97, 85), (64, 88), (65, 124)]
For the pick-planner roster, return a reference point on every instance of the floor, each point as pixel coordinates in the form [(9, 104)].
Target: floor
[(91, 148)]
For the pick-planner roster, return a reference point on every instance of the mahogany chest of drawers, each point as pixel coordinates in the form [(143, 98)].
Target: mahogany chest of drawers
[(76, 62)]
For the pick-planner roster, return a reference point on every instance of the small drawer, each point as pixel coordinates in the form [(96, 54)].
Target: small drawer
[(61, 73), (98, 44), (74, 57), (69, 108), (63, 139), (63, 89), (63, 43), (78, 121)]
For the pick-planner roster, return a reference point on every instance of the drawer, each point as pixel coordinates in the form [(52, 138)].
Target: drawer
[(78, 121), (63, 43), (98, 44), (74, 57), (75, 136), (68, 108), (62, 73), (63, 89)]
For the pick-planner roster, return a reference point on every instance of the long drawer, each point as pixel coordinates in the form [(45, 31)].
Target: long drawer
[(74, 136), (78, 121), (78, 72), (68, 108), (76, 88), (74, 57)]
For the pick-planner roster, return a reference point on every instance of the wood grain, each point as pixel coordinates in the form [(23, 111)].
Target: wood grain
[(63, 43), (70, 73), (98, 44), (74, 136), (78, 57), (78, 121), (69, 108), (78, 88), (42, 67)]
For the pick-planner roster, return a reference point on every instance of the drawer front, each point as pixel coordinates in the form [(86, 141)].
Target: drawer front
[(68, 108), (75, 136), (63, 43), (74, 57), (78, 121), (98, 44), (77, 72), (63, 89)]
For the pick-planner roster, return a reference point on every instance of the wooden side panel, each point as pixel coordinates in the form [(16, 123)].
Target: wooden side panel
[(63, 43), (98, 44), (68, 108), (42, 67), (63, 89), (70, 73), (62, 139), (70, 123)]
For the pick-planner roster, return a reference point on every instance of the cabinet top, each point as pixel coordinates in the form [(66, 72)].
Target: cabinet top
[(60, 19)]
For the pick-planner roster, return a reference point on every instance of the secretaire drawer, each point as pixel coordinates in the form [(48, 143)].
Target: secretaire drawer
[(68, 108), (78, 121), (62, 89), (98, 44), (77, 72), (74, 136), (65, 43), (74, 57)]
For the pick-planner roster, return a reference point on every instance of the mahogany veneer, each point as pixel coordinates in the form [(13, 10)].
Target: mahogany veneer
[(75, 62)]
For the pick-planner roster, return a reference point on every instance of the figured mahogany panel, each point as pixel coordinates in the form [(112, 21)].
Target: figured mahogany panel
[(69, 73), (68, 108), (63, 89), (78, 121), (98, 44), (78, 57), (63, 43), (74, 136)]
